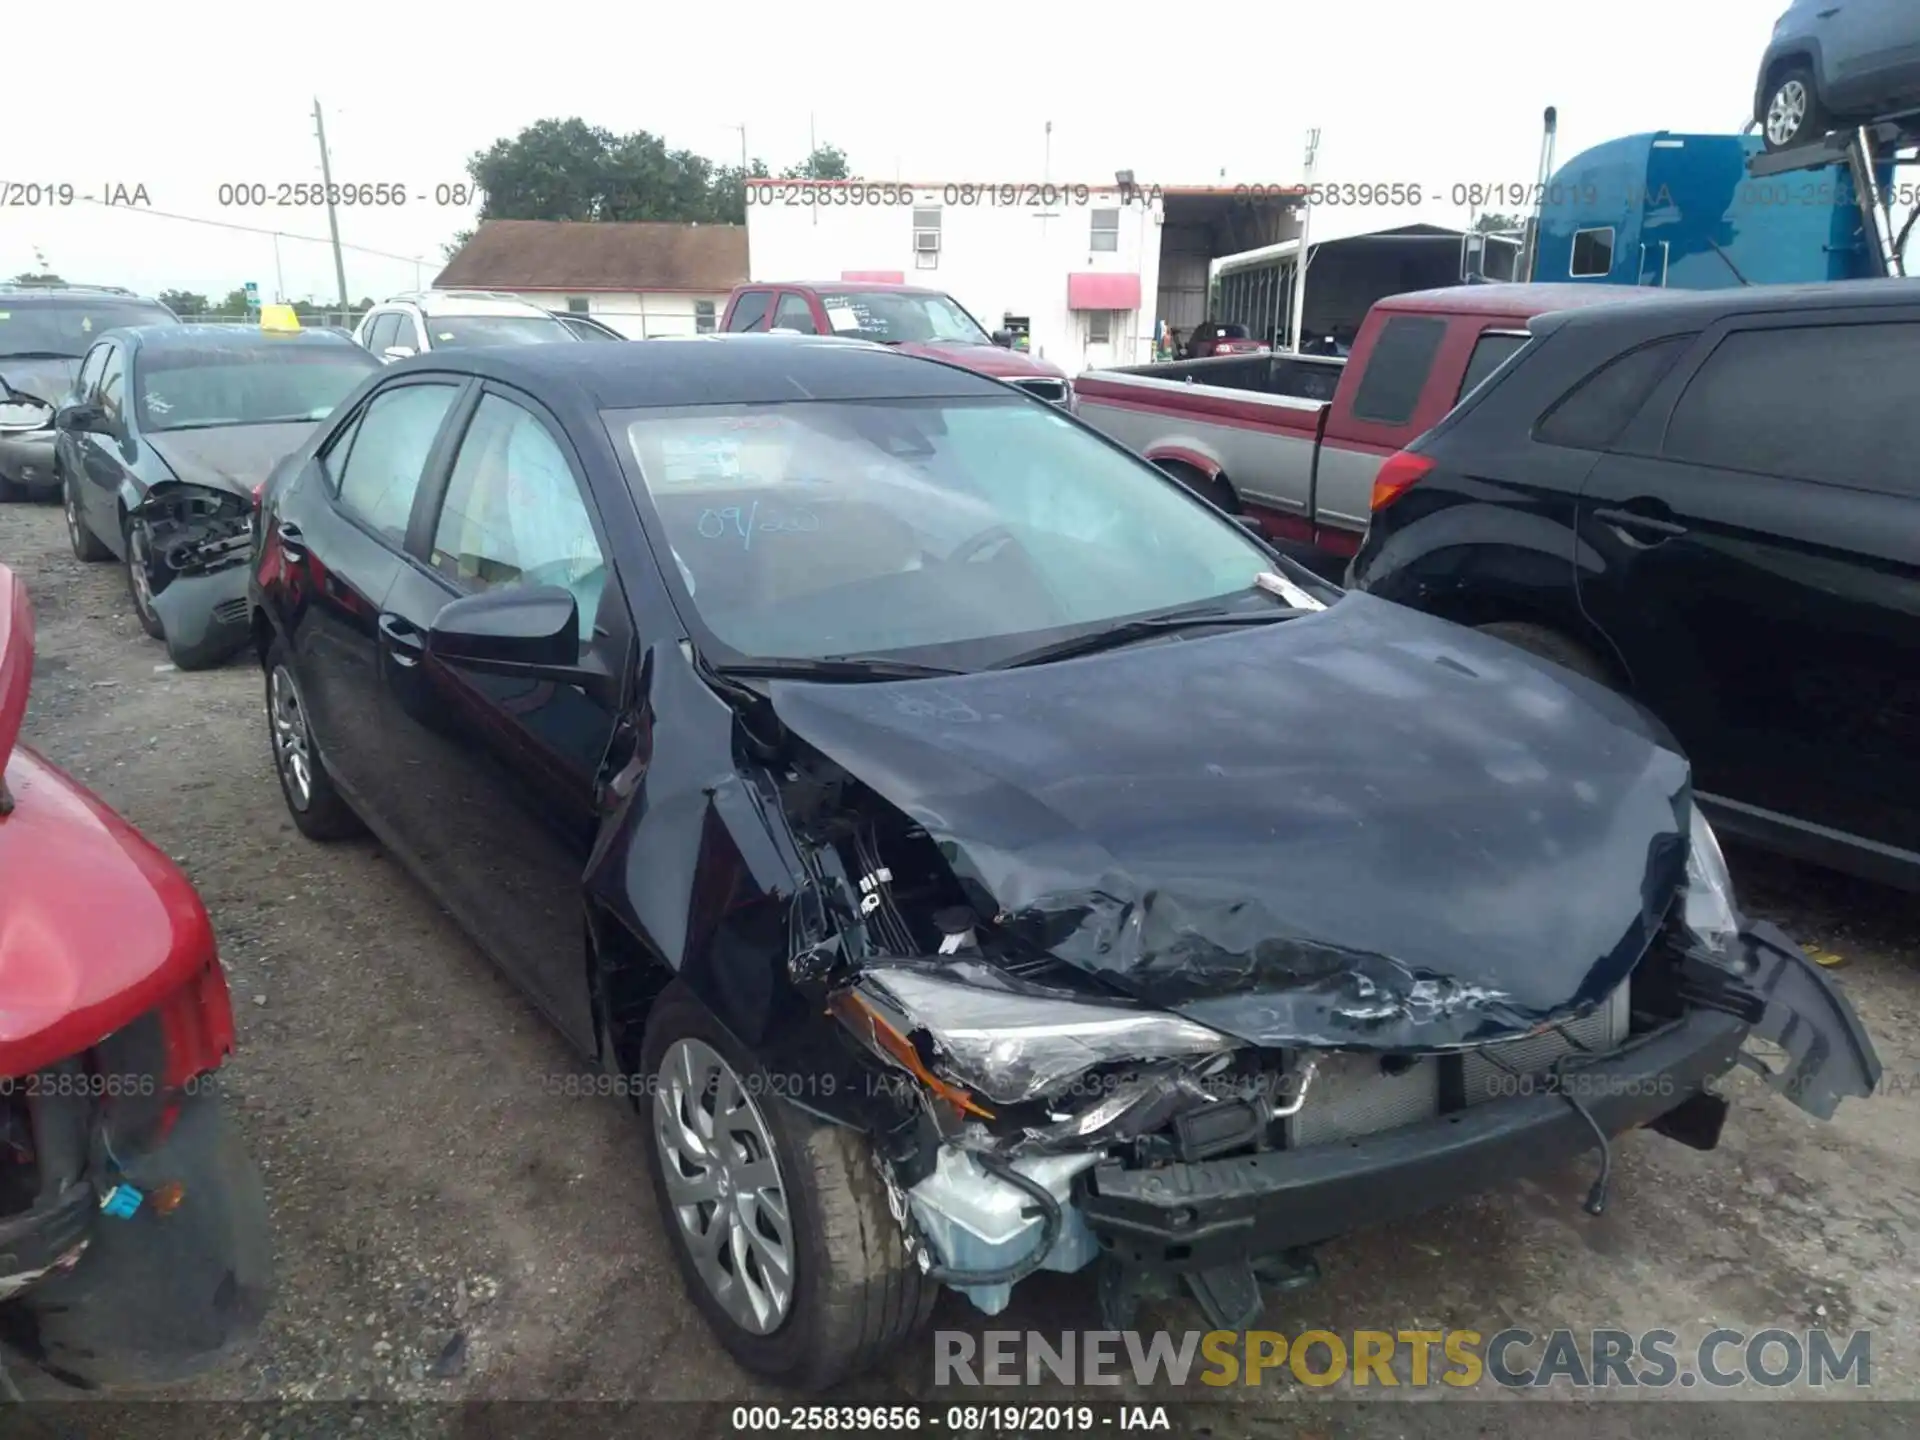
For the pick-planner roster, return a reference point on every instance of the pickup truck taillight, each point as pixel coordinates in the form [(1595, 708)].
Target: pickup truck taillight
[(1396, 476)]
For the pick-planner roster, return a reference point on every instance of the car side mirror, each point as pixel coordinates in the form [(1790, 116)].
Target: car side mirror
[(82, 416), (532, 632), (1003, 338), (397, 352)]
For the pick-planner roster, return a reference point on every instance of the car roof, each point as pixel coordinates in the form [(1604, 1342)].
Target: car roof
[(465, 302), (1517, 301), (776, 368), (233, 337), (16, 292), (1700, 308)]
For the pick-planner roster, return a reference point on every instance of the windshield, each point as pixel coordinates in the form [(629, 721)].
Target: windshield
[(891, 317), (452, 331), (259, 384), (66, 327), (816, 529)]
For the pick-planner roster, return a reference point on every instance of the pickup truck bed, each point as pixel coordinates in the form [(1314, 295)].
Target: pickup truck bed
[(1295, 441)]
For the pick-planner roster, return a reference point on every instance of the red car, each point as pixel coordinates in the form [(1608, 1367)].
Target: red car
[(920, 322), (1214, 338), (134, 1242)]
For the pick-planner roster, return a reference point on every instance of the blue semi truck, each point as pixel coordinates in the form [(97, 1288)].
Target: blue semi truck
[(1701, 212)]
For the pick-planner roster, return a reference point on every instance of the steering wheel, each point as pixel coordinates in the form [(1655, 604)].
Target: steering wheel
[(982, 546)]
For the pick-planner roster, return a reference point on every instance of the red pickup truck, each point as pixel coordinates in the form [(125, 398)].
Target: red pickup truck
[(920, 322), (1299, 442)]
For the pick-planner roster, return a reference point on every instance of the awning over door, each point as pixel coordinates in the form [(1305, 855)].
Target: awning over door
[(1103, 290)]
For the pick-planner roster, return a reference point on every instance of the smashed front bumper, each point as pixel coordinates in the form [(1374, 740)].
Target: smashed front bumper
[(206, 617), (199, 542), (1217, 1220)]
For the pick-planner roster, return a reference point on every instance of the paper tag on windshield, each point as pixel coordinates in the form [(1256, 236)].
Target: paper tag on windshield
[(841, 318), (1279, 585)]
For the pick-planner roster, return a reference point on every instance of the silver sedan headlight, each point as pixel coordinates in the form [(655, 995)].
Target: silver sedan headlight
[(1708, 909)]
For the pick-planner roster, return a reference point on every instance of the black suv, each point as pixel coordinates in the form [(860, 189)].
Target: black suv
[(44, 330), (1711, 502)]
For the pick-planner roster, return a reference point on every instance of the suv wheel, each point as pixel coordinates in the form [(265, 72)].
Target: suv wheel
[(779, 1222), (317, 808), (1794, 113)]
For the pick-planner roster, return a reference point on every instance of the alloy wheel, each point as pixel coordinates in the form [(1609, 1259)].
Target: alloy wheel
[(723, 1181), (1786, 112), (292, 752)]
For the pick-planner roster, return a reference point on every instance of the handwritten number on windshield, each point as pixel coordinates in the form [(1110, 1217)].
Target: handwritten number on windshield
[(732, 520)]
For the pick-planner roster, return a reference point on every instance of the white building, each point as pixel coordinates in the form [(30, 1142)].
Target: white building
[(643, 279), (1089, 270)]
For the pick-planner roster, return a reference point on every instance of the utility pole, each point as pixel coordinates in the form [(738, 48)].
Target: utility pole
[(1300, 260), (279, 275), (333, 219)]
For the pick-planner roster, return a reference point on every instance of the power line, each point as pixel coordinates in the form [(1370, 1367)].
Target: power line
[(248, 229)]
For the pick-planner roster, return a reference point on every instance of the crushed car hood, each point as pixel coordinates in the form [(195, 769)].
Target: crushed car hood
[(230, 457), (1364, 828), (47, 380)]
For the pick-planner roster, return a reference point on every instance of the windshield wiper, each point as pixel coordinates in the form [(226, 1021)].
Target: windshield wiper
[(37, 355), (832, 667), (1128, 631)]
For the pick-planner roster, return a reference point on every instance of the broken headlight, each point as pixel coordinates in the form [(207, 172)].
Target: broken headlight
[(1708, 907), (1010, 1042)]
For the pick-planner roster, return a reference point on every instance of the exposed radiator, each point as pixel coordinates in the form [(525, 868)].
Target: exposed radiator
[(1352, 1095)]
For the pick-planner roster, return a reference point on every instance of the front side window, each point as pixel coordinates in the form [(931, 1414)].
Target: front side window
[(251, 384), (383, 469), (513, 514), (812, 529), (794, 314), (1592, 253), (894, 317), (381, 331)]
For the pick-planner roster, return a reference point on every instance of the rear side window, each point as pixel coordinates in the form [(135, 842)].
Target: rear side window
[(1831, 402), (1490, 352), (1398, 369), (750, 312), (395, 433), (1592, 414)]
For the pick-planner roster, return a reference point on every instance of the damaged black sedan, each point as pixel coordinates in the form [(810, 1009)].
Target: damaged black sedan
[(165, 439), (975, 855)]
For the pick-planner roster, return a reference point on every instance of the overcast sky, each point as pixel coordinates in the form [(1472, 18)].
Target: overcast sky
[(196, 94)]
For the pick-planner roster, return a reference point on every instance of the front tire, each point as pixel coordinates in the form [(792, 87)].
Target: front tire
[(140, 580), (779, 1222), (1794, 114), (318, 810)]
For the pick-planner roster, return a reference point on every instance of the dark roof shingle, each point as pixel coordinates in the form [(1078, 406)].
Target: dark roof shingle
[(599, 255)]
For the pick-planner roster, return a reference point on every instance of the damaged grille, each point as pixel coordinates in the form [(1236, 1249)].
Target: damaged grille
[(1353, 1095)]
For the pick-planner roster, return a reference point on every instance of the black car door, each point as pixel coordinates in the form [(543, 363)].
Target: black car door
[(104, 452), (339, 531), (1758, 531), (495, 799)]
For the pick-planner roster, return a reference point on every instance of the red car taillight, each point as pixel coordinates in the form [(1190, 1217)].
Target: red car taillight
[(1396, 477)]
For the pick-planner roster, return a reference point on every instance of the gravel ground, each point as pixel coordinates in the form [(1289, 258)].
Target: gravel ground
[(452, 1225)]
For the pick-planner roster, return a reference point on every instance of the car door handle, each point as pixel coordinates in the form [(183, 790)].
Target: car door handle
[(290, 541), (403, 640), (1634, 520)]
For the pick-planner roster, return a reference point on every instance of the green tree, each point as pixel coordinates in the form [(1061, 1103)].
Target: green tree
[(39, 277), (827, 162), (234, 304), (1491, 223), (186, 302)]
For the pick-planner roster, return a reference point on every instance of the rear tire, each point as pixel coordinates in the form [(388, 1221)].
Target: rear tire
[(318, 810), (86, 545), (1552, 645), (1794, 114), (854, 1293)]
